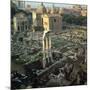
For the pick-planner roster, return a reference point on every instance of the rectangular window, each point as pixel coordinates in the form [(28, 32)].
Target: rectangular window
[(18, 28), (26, 27), (54, 20)]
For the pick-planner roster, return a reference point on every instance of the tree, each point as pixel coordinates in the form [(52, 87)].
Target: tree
[(14, 9), (77, 20)]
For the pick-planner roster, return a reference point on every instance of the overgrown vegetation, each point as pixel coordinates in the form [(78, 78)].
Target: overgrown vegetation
[(77, 20)]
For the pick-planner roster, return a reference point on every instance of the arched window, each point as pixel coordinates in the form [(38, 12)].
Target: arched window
[(21, 39)]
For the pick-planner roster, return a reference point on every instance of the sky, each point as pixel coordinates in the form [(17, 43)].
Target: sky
[(36, 4)]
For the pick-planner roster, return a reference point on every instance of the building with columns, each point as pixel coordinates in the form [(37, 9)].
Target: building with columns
[(22, 21), (52, 22)]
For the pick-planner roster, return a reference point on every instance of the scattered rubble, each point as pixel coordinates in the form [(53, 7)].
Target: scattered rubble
[(69, 66)]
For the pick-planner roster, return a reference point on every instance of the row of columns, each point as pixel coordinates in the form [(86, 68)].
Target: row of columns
[(47, 50)]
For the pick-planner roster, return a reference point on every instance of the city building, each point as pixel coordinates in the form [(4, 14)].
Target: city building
[(52, 22), (28, 8), (49, 18), (41, 9), (84, 12), (71, 11), (77, 7), (21, 21), (39, 20)]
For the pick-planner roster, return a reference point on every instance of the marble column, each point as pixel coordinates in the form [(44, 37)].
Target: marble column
[(47, 50), (44, 56)]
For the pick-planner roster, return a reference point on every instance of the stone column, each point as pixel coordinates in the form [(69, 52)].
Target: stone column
[(50, 51), (24, 26), (19, 27), (15, 24), (44, 56), (47, 50)]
